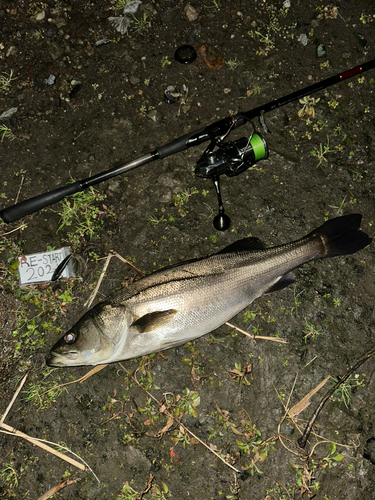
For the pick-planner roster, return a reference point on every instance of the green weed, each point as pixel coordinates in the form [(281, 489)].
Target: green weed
[(272, 29), (216, 4), (310, 332), (154, 492), (6, 133), (128, 493), (367, 18), (233, 63), (35, 7), (340, 207), (260, 451), (239, 373), (119, 4), (187, 403), (297, 302), (344, 391), (42, 392), (181, 199), (321, 152), (332, 458), (308, 106), (141, 23), (30, 333), (81, 217), (324, 65), (153, 220), (9, 477), (333, 103), (165, 62), (5, 80)]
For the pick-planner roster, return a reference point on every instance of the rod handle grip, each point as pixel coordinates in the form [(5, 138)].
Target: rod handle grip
[(181, 143), (32, 205)]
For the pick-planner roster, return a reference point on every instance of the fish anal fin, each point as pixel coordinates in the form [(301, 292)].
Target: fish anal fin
[(283, 282), (154, 320)]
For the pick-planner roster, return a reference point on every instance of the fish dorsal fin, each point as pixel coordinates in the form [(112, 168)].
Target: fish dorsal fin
[(283, 282), (154, 320), (244, 244)]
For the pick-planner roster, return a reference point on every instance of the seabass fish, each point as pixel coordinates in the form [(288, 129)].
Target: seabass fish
[(183, 302)]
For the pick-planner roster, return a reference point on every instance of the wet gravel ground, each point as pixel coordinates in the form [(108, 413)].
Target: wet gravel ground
[(78, 97)]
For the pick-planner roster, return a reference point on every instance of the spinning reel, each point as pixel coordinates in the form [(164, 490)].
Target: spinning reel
[(231, 159)]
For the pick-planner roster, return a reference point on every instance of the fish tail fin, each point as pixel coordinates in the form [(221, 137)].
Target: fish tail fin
[(341, 236)]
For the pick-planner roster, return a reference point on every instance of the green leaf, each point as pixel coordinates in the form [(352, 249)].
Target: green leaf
[(338, 457), (165, 488)]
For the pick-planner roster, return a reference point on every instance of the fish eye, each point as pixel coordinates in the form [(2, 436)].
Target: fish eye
[(69, 338)]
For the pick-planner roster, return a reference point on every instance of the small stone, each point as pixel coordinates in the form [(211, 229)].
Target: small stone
[(165, 196), (320, 51), (102, 41), (153, 115), (135, 459), (114, 186), (40, 16), (120, 24), (185, 108), (55, 51), (361, 39), (171, 94), (190, 12), (168, 181), (287, 4), (50, 32), (369, 450), (8, 113), (50, 80), (134, 80), (12, 51), (60, 22), (303, 39), (132, 6), (123, 124), (148, 7)]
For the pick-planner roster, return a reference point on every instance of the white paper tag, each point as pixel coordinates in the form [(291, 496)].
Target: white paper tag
[(39, 267)]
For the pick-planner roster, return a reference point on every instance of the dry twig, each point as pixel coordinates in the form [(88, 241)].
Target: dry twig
[(22, 226), (305, 401), (7, 429), (162, 409), (13, 399), (90, 300), (42, 445), (89, 374), (58, 487), (303, 440), (111, 254), (257, 337)]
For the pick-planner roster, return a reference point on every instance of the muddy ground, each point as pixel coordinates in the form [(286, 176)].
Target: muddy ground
[(88, 97)]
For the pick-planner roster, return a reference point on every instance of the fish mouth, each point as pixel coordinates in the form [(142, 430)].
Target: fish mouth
[(55, 359)]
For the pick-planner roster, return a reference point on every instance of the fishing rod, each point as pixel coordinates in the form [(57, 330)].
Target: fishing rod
[(220, 157)]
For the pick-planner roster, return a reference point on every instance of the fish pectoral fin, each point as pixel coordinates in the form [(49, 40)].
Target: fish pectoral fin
[(282, 282), (154, 320)]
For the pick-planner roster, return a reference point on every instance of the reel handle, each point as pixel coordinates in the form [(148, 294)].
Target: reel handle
[(221, 221)]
